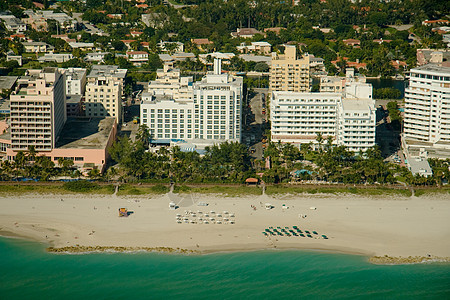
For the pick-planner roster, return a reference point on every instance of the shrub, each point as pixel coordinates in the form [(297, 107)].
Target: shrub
[(160, 189), (81, 186)]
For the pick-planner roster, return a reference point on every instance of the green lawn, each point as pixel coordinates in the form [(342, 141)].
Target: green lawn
[(273, 190), (224, 190), (142, 190), (431, 192), (18, 189)]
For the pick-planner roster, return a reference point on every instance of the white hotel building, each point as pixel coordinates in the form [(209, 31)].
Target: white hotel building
[(427, 108), (167, 118), (298, 117), (212, 114), (356, 124), (217, 108)]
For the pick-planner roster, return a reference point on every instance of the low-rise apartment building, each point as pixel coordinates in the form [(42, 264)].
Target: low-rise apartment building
[(255, 47)]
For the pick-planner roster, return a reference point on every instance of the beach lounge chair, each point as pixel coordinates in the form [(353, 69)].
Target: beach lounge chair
[(314, 232)]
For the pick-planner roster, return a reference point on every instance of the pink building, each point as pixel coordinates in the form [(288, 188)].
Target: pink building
[(85, 141)]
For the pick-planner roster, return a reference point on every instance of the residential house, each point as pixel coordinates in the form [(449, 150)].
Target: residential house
[(352, 42), (34, 47), (202, 44), (137, 57), (171, 46), (128, 43), (14, 24), (82, 46), (95, 56), (56, 57), (246, 33)]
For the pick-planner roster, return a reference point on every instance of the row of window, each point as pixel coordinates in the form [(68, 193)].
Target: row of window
[(434, 77)]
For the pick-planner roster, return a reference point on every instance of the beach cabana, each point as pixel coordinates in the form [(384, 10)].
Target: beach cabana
[(123, 212), (268, 206), (251, 181)]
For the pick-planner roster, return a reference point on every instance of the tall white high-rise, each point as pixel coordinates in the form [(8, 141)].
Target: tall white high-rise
[(356, 124), (427, 107), (211, 114), (218, 107)]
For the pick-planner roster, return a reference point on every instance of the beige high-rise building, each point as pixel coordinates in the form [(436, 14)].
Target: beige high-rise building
[(38, 110), (289, 73), (104, 91)]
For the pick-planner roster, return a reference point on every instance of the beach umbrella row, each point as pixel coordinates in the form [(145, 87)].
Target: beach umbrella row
[(295, 231)]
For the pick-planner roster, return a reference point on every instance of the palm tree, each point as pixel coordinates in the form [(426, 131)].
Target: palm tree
[(19, 162), (31, 153), (319, 139), (329, 142), (94, 173)]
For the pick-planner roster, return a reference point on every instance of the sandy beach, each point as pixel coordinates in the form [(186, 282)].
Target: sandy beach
[(373, 226)]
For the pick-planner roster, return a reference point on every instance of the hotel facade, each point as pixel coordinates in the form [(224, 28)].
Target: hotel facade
[(427, 108)]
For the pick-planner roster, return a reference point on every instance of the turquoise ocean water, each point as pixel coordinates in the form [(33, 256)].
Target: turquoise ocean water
[(28, 272)]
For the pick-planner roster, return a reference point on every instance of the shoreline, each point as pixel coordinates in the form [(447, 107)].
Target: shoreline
[(83, 250), (386, 229)]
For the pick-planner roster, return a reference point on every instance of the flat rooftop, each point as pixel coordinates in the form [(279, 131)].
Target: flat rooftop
[(419, 166), (6, 136), (85, 133), (7, 82), (5, 106), (107, 70), (73, 98), (357, 104), (434, 68)]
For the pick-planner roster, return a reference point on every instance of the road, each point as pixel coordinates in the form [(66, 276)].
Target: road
[(90, 28), (254, 121)]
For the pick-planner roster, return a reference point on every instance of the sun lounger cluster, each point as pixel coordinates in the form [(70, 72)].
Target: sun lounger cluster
[(211, 217), (295, 231)]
